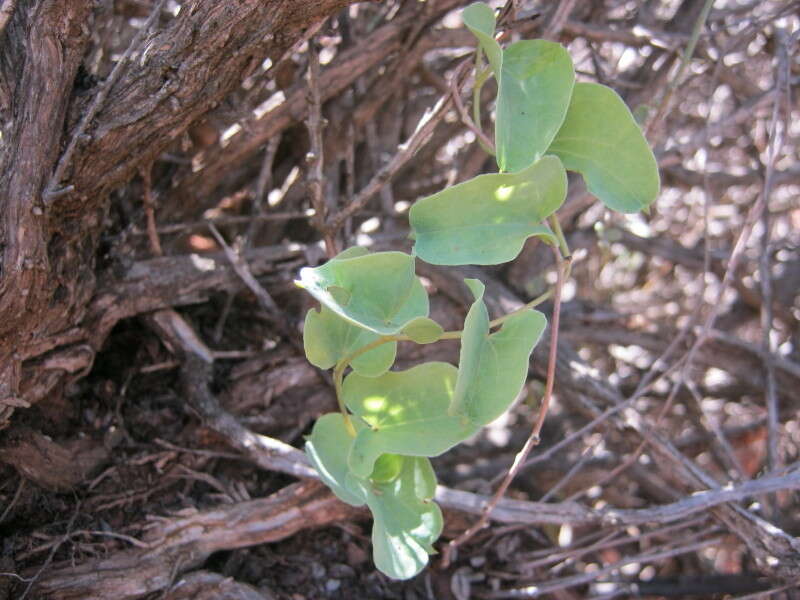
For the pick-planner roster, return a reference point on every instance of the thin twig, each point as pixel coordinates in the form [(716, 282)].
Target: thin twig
[(315, 157), (776, 133), (53, 551), (404, 153), (14, 500), (243, 271), (546, 587), (685, 60), (559, 19), (149, 209), (226, 220), (263, 183)]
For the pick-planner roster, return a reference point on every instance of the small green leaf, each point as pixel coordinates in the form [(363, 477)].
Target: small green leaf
[(406, 523), (601, 140), (387, 468), (492, 367), (486, 220), (327, 448), (327, 338), (480, 20), (380, 291), (423, 330), (406, 412), (535, 86)]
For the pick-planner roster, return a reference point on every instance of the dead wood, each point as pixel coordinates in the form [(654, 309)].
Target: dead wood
[(207, 585), (56, 467), (180, 544), (49, 241)]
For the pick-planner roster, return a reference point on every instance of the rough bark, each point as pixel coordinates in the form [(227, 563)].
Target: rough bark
[(49, 240), (176, 545)]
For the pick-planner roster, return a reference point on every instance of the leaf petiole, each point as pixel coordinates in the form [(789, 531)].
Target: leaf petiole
[(562, 241)]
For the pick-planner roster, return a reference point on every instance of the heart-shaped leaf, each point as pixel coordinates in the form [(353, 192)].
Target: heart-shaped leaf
[(480, 20), (534, 89), (327, 338), (601, 140), (378, 292), (486, 220), (493, 367), (406, 413), (407, 521), (327, 448)]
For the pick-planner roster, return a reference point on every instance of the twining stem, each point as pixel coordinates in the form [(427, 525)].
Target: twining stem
[(532, 304), (562, 271), (562, 241)]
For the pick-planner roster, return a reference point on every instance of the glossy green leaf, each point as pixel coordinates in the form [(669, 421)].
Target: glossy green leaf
[(492, 367), (486, 220), (327, 338), (535, 86), (406, 413), (327, 448), (378, 292), (480, 20), (407, 522), (423, 331), (601, 140)]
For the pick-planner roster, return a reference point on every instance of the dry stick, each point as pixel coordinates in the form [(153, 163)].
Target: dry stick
[(263, 182), (766, 594), (315, 157), (17, 494), (611, 540), (52, 190), (650, 378), (273, 312), (404, 153), (634, 456), (776, 142), (720, 446), (149, 209), (738, 249), (685, 59), (243, 271), (53, 550), (559, 19), (541, 588), (533, 439), (172, 228)]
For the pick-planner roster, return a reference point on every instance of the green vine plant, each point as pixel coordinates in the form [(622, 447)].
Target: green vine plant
[(375, 451)]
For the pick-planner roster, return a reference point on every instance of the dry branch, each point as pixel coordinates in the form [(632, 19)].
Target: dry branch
[(179, 544)]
